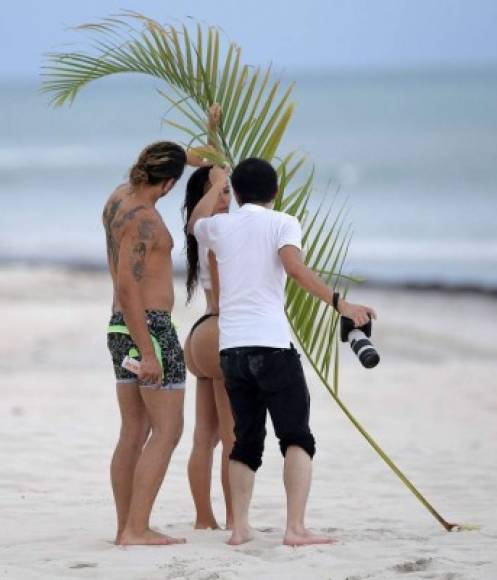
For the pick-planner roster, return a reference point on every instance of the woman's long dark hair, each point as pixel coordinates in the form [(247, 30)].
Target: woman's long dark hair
[(195, 189)]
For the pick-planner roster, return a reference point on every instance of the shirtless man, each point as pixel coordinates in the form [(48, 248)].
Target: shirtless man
[(151, 402)]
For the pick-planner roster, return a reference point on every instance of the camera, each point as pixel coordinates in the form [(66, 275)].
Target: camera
[(359, 341)]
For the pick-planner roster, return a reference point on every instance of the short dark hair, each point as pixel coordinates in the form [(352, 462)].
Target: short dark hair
[(255, 181)]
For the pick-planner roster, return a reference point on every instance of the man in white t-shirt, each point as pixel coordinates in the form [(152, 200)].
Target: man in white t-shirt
[(255, 248)]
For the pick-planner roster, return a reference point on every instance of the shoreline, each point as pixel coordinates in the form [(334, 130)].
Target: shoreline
[(421, 286)]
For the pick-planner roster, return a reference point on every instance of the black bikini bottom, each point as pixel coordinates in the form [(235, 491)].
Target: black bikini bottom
[(200, 320)]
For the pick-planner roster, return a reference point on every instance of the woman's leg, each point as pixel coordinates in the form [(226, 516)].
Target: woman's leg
[(205, 353), (226, 432), (205, 438)]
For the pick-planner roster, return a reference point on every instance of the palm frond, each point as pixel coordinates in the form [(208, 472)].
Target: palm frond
[(256, 114)]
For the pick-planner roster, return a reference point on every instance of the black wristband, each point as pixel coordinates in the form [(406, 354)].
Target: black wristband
[(334, 300)]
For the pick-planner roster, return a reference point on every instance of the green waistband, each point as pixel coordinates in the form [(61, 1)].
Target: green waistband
[(122, 329)]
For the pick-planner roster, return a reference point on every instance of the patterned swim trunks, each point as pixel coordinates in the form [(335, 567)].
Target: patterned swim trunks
[(166, 345)]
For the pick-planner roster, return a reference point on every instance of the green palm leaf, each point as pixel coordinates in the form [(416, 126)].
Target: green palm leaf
[(256, 113)]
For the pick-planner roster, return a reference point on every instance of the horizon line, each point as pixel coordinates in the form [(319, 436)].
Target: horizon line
[(359, 71)]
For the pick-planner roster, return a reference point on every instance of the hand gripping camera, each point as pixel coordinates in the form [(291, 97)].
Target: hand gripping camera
[(359, 341)]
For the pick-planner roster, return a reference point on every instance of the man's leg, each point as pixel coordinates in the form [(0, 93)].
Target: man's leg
[(242, 480), (205, 438), (250, 431), (165, 410), (249, 414), (134, 432), (297, 475), (286, 395)]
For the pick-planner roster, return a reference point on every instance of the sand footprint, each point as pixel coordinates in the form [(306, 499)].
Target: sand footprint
[(414, 566)]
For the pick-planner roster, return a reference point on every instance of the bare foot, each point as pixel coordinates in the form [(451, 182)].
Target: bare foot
[(206, 525), (305, 537), (119, 533), (239, 537), (148, 538)]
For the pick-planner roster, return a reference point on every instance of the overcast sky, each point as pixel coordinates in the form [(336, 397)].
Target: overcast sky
[(320, 34)]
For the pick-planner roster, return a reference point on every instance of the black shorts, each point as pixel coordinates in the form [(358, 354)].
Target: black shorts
[(166, 345), (261, 379)]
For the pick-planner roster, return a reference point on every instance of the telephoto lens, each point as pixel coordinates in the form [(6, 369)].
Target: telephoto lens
[(359, 342)]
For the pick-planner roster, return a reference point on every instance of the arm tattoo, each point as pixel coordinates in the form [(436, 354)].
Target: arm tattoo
[(146, 229), (112, 223), (138, 260), (128, 216), (110, 212)]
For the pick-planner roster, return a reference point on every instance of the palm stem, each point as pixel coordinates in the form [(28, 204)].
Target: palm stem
[(373, 443)]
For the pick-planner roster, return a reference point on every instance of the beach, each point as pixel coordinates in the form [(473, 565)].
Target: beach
[(390, 141), (431, 404)]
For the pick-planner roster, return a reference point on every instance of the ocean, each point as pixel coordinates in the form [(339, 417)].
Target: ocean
[(412, 154)]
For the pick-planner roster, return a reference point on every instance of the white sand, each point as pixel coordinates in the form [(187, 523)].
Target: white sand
[(432, 404)]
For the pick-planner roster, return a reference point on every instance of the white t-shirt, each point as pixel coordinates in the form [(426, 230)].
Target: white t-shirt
[(251, 274)]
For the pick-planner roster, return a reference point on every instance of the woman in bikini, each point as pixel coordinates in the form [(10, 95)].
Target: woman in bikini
[(213, 418)]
